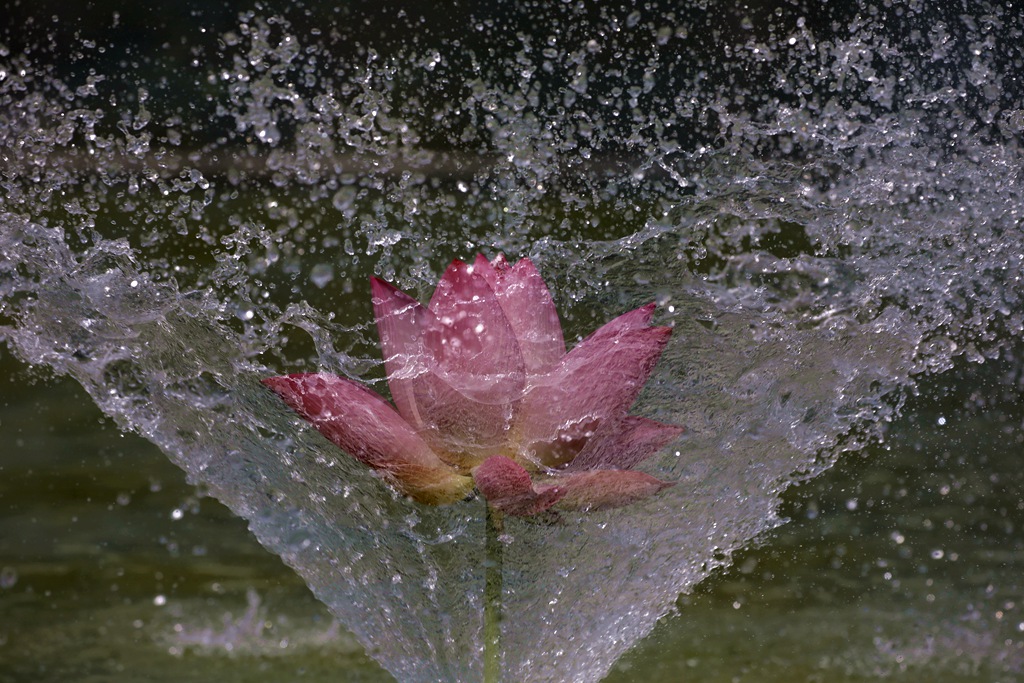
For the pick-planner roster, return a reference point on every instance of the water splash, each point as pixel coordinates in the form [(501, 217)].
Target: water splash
[(823, 213), (255, 632)]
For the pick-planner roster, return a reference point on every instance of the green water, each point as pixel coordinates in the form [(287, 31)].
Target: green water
[(904, 562)]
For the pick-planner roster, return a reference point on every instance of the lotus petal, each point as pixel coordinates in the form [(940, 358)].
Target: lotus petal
[(531, 312), (623, 444), (400, 323), (601, 489), (508, 487), (597, 381), (462, 430), (456, 384), (365, 426), (637, 319), (474, 347)]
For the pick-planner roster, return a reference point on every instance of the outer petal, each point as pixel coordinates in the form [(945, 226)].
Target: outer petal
[(400, 324), (463, 416), (507, 486), (637, 319), (623, 444), (365, 426), (531, 312), (597, 381), (599, 489)]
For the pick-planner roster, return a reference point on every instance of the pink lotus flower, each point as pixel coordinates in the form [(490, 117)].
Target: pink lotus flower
[(487, 396)]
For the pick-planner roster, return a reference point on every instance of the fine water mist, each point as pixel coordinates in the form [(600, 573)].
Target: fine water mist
[(825, 205)]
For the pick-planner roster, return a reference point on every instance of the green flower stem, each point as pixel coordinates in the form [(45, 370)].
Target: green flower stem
[(492, 596)]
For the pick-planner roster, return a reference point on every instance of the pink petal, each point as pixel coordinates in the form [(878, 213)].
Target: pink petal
[(400, 323), (473, 345), (507, 487), (598, 489), (624, 443), (527, 304), (463, 430), (637, 319), (366, 427), (463, 416), (597, 381), (488, 269)]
